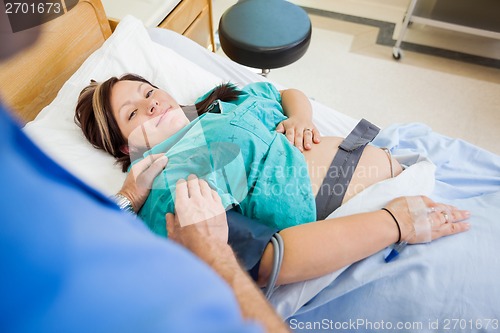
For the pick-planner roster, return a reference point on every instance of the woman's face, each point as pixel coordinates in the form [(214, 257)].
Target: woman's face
[(145, 115)]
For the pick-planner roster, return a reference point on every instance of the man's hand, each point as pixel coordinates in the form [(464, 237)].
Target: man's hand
[(140, 179), (200, 218), (200, 225)]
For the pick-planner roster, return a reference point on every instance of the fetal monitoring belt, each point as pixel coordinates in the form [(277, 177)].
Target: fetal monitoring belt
[(334, 186)]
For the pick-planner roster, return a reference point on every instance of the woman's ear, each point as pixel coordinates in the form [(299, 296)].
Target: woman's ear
[(125, 149)]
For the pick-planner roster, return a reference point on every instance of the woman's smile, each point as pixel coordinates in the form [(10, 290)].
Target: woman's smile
[(163, 115)]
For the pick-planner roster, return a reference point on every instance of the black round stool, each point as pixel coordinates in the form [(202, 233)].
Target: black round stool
[(264, 34)]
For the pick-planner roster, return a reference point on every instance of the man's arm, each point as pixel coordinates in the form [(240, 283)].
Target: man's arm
[(200, 225), (252, 302)]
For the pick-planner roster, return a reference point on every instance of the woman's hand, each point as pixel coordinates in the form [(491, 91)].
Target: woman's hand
[(140, 179), (200, 218), (445, 220), (298, 128), (300, 132), (434, 221)]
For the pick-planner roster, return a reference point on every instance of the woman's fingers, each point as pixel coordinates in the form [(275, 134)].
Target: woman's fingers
[(316, 135), (299, 134), (308, 138), (447, 229), (448, 213), (299, 138), (311, 135), (290, 135), (459, 215), (446, 220)]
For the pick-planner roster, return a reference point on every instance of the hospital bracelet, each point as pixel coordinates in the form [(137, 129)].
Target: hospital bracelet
[(397, 223), (123, 203)]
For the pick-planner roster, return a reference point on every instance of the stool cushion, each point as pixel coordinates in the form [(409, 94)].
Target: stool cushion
[(264, 33)]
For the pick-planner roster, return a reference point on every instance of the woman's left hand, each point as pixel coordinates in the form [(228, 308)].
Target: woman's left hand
[(301, 133), (433, 221)]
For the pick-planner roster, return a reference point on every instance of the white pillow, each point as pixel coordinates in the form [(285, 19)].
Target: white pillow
[(128, 50)]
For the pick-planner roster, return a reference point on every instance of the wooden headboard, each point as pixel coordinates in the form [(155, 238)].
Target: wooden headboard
[(31, 80)]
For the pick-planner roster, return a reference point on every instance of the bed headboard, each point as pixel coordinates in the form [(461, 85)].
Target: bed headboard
[(31, 80)]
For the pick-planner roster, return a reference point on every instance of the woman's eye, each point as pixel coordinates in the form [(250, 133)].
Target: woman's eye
[(132, 114), (149, 93)]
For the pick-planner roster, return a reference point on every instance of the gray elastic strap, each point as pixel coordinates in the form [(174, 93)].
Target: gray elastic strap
[(334, 186)]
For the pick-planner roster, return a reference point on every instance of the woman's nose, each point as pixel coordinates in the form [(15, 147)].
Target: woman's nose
[(152, 108)]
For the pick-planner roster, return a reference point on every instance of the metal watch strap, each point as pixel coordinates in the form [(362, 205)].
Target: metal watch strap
[(123, 203)]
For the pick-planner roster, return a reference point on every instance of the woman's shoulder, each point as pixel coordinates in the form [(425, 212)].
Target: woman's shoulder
[(262, 89)]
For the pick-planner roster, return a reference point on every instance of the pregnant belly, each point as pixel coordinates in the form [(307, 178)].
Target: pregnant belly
[(373, 167)]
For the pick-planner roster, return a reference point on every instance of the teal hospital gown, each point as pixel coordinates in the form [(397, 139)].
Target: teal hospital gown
[(236, 149)]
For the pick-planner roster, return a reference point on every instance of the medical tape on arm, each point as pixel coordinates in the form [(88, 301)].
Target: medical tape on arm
[(420, 217)]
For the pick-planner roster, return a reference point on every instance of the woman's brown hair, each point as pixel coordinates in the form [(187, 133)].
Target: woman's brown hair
[(95, 117)]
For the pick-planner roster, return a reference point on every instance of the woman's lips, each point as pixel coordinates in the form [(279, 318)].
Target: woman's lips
[(163, 115)]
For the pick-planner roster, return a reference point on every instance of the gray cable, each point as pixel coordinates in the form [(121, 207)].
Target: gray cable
[(272, 278), (279, 248)]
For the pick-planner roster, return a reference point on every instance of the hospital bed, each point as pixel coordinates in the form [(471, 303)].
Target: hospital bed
[(448, 285)]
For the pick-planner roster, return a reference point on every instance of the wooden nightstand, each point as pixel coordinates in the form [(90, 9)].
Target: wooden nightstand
[(191, 18)]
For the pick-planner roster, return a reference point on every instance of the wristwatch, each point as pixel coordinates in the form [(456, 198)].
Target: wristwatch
[(123, 203)]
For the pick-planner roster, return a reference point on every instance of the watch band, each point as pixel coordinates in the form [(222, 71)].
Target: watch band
[(123, 203)]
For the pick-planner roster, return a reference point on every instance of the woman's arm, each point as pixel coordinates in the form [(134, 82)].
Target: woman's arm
[(322, 247), (298, 128)]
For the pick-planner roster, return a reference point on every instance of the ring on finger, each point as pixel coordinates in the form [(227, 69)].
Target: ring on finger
[(446, 217)]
